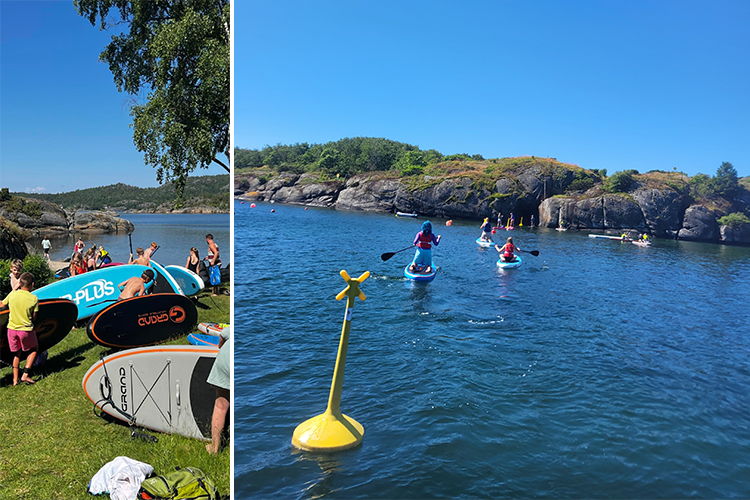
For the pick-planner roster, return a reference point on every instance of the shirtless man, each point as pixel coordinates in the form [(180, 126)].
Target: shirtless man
[(213, 258), (135, 285), (142, 259), (150, 250)]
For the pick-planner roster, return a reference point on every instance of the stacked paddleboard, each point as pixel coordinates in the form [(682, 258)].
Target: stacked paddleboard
[(54, 321), (143, 321), (162, 388)]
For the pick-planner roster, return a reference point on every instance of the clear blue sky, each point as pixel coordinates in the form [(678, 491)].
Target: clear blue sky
[(617, 85), (63, 125)]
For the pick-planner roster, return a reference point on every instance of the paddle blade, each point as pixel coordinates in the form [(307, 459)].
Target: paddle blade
[(534, 253), (387, 256)]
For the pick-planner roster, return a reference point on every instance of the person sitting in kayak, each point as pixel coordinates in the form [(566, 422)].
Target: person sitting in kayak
[(422, 262), (507, 250), (486, 230)]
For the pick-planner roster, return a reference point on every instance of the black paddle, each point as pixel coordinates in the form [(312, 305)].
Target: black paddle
[(388, 255), (535, 253)]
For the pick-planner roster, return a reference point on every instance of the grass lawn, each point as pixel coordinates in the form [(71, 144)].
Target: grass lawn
[(52, 443)]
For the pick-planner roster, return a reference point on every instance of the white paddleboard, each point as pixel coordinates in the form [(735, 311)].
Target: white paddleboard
[(162, 388), (189, 282)]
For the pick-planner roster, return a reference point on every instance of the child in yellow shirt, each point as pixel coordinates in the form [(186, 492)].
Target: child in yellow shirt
[(21, 335)]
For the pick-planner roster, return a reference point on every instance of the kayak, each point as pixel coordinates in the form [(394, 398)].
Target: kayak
[(485, 244), (509, 265), (420, 276)]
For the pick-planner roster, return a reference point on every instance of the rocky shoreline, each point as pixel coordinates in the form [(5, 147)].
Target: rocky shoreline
[(658, 204)]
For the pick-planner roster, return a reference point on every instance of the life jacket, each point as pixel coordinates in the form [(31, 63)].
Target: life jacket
[(508, 252), (425, 240)]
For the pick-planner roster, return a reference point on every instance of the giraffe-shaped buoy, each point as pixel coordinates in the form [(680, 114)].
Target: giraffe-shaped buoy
[(332, 430)]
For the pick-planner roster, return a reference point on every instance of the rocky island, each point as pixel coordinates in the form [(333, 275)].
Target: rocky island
[(662, 204)]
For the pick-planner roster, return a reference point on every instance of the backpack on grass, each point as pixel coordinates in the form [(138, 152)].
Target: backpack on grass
[(182, 484)]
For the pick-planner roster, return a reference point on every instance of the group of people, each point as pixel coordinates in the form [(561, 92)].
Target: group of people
[(137, 285), (83, 260)]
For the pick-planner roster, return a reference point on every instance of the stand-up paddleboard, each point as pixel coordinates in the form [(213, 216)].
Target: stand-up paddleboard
[(54, 321), (162, 388), (189, 282), (509, 265), (485, 244), (91, 291), (203, 339), (641, 243), (415, 276), (143, 321), (607, 237), (404, 214), (212, 328), (164, 282)]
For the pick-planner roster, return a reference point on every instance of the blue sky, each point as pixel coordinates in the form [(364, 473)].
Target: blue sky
[(63, 125), (617, 85)]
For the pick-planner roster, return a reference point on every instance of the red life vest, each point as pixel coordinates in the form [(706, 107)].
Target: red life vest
[(425, 241), (509, 248)]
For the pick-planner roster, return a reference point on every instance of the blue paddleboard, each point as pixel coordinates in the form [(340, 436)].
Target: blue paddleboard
[(91, 291), (203, 339), (509, 265), (420, 276), (189, 282), (485, 244)]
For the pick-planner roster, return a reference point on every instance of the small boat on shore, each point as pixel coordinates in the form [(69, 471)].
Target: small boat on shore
[(404, 214)]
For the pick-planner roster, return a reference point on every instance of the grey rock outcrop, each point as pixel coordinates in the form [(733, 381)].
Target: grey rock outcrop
[(100, 223), (699, 224), (740, 235)]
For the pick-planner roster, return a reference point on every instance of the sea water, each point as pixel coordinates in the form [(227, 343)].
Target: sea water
[(174, 233), (598, 369)]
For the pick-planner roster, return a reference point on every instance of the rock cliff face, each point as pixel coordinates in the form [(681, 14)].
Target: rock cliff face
[(667, 211), (55, 221)]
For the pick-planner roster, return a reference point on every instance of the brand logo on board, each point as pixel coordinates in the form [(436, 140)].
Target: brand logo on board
[(96, 290)]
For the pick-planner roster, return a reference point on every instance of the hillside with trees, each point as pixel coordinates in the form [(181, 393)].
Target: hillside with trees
[(378, 174), (204, 191)]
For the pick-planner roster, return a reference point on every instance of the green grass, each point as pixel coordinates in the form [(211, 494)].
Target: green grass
[(52, 443)]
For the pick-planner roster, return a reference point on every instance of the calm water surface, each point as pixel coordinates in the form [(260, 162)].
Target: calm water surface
[(174, 233), (596, 370)]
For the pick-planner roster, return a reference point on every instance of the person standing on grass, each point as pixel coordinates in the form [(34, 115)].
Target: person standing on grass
[(22, 339), (214, 263), (16, 268), (219, 378)]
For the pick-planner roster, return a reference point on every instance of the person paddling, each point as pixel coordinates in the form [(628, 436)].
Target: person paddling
[(486, 230), (423, 257), (507, 250)]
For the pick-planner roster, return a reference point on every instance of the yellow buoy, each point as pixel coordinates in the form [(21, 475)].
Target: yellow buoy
[(332, 430)]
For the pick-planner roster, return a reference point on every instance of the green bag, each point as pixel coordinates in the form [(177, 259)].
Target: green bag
[(182, 484)]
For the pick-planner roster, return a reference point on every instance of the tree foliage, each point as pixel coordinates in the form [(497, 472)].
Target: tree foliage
[(619, 182), (734, 220), (724, 184), (345, 157), (207, 190), (178, 52)]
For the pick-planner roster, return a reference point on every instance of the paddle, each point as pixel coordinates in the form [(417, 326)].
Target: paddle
[(388, 255), (535, 253)]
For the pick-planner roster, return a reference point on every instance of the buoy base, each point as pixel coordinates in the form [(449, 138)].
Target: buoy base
[(328, 432)]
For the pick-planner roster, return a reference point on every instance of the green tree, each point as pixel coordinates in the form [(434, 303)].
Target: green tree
[(620, 182), (725, 182), (178, 52)]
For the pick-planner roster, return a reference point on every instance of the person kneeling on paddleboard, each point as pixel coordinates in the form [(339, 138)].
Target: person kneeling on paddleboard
[(135, 285), (507, 250), (422, 262)]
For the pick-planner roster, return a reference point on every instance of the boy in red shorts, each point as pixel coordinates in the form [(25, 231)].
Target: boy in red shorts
[(21, 335)]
